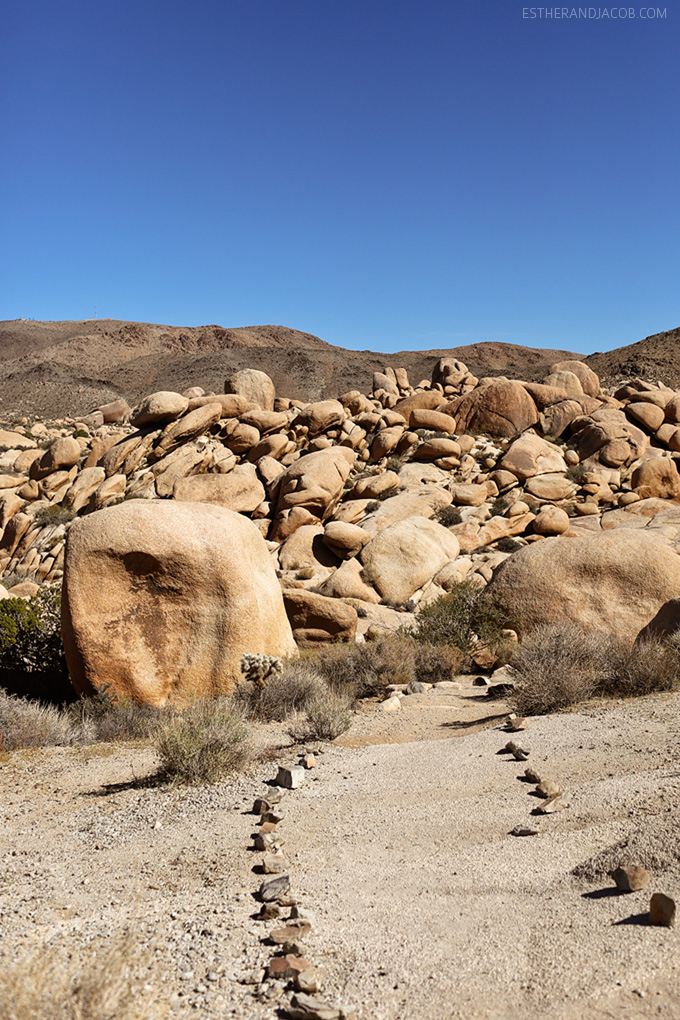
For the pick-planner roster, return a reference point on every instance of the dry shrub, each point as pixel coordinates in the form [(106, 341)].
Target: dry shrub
[(365, 670), (118, 980), (562, 665), (203, 743), (327, 716), (103, 717), (281, 695), (26, 723)]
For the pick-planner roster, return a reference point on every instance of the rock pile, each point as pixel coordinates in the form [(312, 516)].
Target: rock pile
[(373, 505)]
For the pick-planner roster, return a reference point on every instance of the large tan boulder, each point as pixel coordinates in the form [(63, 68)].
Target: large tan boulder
[(161, 599), (500, 407), (254, 385), (435, 421), (15, 441), (232, 404), (427, 399), (158, 408), (530, 455), (315, 482), (306, 548), (406, 555), (115, 410), (610, 581), (316, 619), (657, 477), (240, 490), (347, 582), (63, 454), (590, 382), (321, 416), (188, 428), (567, 381), (345, 539)]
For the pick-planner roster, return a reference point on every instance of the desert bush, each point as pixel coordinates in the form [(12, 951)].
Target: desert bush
[(105, 718), (326, 716), (448, 516), (30, 633), (435, 663), (365, 670), (372, 506), (203, 743), (462, 617), (25, 723), (53, 515), (395, 462), (81, 434), (507, 544), (118, 980), (281, 695), (558, 665), (648, 667), (499, 506), (561, 665)]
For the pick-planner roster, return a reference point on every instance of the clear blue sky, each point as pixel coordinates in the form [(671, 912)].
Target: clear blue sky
[(386, 175)]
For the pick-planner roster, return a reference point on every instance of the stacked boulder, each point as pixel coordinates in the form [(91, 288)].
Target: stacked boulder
[(368, 506)]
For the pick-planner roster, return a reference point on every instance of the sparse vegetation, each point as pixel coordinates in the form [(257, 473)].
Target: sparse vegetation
[(326, 717), (54, 515), (25, 723), (105, 718), (204, 743), (462, 618), (281, 695), (499, 506), (114, 980), (561, 665), (508, 545), (447, 516)]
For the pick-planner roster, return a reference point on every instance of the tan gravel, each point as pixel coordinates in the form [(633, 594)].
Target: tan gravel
[(423, 904)]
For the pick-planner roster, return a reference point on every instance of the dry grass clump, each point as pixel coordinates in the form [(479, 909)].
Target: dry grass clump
[(204, 743), (26, 723), (326, 717), (283, 694), (561, 665), (118, 980), (105, 718), (365, 670)]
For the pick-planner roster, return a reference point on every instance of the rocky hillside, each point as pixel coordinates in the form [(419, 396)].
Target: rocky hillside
[(58, 368), (365, 507)]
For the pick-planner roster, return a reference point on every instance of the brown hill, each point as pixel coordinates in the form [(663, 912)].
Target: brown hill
[(55, 368), (656, 357)]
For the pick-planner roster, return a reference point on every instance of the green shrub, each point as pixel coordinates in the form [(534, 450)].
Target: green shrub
[(499, 506), (53, 515), (395, 463), (30, 633), (326, 717), (81, 434), (447, 516), (372, 506), (204, 743), (462, 617)]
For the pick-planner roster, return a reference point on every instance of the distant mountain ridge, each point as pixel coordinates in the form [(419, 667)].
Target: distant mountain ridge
[(58, 368)]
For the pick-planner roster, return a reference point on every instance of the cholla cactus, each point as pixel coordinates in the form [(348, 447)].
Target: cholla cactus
[(259, 668)]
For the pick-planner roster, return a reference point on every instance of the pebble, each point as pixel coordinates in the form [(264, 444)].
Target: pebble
[(515, 725), (392, 704), (548, 788), (308, 761), (630, 878), (274, 815), (519, 754), (307, 981), (274, 864), (552, 804), (662, 910), (524, 830), (269, 912), (415, 687), (280, 936), (532, 775), (267, 841), (309, 1007), (290, 777), (283, 968), (273, 887)]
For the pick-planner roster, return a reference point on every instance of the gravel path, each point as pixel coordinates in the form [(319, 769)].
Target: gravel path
[(426, 906), (423, 905)]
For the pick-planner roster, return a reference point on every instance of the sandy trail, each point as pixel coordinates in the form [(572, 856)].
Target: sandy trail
[(426, 906)]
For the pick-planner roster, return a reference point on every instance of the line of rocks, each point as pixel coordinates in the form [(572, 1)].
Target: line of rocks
[(627, 878), (289, 969)]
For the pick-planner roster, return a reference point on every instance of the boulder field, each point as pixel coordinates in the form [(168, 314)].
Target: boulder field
[(197, 526)]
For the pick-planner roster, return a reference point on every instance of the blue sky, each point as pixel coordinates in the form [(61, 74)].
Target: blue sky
[(386, 175)]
